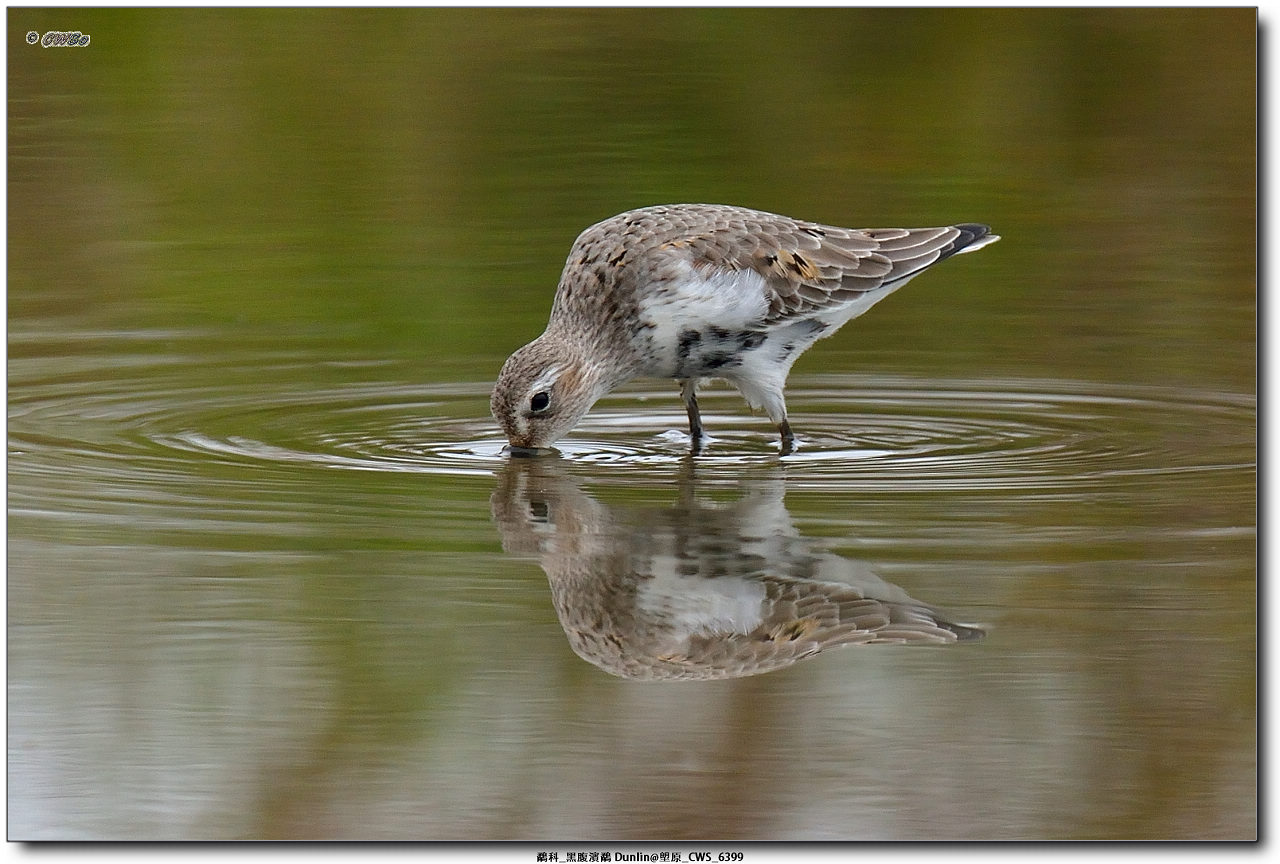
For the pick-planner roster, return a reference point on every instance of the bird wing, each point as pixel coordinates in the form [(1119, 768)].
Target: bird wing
[(808, 267)]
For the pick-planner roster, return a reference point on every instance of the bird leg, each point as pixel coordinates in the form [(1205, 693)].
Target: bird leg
[(788, 437), (690, 397)]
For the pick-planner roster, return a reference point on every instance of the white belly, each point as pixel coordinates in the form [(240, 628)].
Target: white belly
[(719, 306)]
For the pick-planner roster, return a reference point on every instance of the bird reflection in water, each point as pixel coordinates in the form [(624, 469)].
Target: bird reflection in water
[(700, 590)]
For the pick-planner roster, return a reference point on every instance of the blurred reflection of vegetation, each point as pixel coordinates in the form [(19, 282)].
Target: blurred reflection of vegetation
[(699, 591), (417, 175)]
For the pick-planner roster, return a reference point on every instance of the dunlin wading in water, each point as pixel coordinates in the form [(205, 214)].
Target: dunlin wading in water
[(700, 291)]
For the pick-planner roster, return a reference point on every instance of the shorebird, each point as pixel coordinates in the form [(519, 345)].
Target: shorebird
[(700, 291)]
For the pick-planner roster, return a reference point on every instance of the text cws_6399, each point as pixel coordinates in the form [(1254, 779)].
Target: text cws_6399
[(59, 39)]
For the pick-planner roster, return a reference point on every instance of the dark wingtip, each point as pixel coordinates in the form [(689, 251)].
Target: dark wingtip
[(966, 632), (971, 233)]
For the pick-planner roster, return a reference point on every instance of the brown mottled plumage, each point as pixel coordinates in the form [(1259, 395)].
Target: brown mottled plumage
[(699, 590), (697, 291)]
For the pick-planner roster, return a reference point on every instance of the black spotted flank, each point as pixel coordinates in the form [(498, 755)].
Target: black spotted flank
[(688, 339), (705, 352), (741, 340), (718, 360)]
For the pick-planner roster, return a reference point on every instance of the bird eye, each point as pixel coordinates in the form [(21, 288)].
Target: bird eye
[(540, 402)]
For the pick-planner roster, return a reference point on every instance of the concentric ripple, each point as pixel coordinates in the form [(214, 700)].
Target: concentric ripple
[(160, 415)]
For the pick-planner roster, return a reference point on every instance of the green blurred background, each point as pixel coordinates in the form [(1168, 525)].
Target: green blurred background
[(412, 180)]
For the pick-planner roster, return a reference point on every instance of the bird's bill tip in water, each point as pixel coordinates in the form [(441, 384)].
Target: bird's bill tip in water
[(518, 452)]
